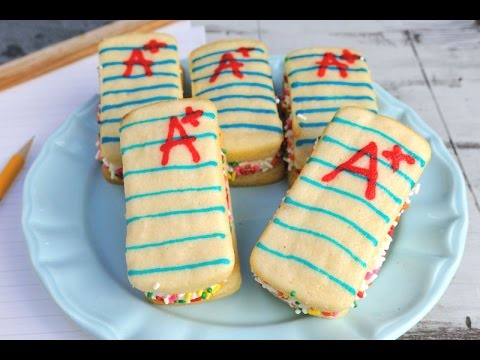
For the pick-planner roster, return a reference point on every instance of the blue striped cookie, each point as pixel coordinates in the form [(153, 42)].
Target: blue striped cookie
[(135, 70), (180, 245), (236, 76), (317, 83), (328, 239)]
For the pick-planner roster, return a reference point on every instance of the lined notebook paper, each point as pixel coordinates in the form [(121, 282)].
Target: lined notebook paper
[(38, 107)]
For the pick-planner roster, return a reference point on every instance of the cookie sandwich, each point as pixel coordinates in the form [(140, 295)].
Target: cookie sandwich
[(236, 76), (135, 70), (317, 83), (180, 243), (328, 239)]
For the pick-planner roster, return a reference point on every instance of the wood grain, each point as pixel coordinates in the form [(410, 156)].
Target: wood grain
[(433, 67), (66, 52)]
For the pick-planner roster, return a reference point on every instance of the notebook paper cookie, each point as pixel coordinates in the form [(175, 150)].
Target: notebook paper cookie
[(328, 239), (135, 70), (180, 245), (236, 76), (317, 83)]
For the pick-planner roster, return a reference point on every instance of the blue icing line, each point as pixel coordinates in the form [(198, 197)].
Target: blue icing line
[(240, 96), (383, 188), (296, 84), (171, 167), (241, 60), (382, 134), (161, 141), (347, 194), (176, 241), (173, 191), (303, 56), (240, 84), (130, 48), (329, 139), (252, 126), (219, 261), (222, 52), (305, 142), (313, 125), (308, 264), (138, 76), (322, 236), (176, 212), (140, 88), (137, 102), (111, 121), (318, 110), (366, 234), (251, 110), (323, 110), (164, 118), (118, 63), (331, 67), (110, 139), (332, 97), (251, 73)]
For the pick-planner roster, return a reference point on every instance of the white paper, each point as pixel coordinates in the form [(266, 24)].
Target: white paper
[(37, 108)]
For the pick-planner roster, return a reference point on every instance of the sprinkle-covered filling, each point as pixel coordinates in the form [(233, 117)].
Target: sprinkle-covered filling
[(286, 104), (290, 299), (237, 169), (115, 172), (289, 156), (370, 276)]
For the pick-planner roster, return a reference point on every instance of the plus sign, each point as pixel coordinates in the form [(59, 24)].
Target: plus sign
[(347, 55), (245, 51), (154, 46), (396, 156)]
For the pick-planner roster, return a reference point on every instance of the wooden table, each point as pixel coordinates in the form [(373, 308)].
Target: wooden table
[(434, 67)]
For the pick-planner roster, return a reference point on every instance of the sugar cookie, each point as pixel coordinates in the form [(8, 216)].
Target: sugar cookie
[(329, 237)]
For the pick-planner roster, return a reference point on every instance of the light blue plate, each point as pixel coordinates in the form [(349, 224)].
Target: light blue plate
[(75, 230)]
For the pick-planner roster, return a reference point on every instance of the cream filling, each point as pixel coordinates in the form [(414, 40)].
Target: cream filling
[(370, 276), (289, 157), (237, 169), (111, 168)]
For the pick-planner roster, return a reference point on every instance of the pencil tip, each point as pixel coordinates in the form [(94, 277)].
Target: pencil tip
[(26, 148)]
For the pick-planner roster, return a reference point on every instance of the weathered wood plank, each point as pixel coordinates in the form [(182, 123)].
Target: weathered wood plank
[(451, 60), (433, 330), (221, 29), (448, 319), (391, 59)]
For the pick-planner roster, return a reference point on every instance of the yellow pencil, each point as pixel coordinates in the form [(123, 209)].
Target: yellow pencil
[(13, 167)]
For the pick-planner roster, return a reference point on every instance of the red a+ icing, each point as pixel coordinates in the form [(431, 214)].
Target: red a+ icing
[(329, 59), (371, 173), (396, 156), (191, 118), (229, 62), (136, 58)]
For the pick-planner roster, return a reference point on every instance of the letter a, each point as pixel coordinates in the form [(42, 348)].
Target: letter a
[(227, 62), (184, 140), (371, 173), (329, 59), (136, 58)]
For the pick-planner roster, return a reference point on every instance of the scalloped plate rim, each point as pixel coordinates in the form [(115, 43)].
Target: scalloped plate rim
[(101, 329)]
